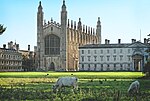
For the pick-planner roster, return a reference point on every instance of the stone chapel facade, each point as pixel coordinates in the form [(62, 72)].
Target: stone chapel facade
[(57, 44)]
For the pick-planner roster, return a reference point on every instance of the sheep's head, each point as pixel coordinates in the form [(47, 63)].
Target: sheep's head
[(54, 88)]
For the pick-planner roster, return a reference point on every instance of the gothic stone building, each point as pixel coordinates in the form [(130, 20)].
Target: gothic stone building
[(113, 57), (57, 44)]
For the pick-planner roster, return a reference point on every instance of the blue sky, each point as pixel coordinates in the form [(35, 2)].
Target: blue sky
[(119, 18)]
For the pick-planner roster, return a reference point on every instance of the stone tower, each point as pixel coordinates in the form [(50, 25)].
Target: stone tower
[(39, 36), (63, 39), (57, 44), (98, 30)]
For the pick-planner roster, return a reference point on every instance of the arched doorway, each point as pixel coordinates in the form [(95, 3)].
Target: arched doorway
[(52, 66)]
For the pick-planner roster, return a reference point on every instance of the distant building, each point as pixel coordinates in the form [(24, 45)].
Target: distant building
[(10, 58), (113, 57), (57, 44), (28, 60)]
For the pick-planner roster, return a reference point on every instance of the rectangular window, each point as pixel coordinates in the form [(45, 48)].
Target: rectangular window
[(128, 50), (95, 58), (120, 50), (82, 57), (89, 66), (95, 52), (89, 58), (121, 57), (114, 57), (114, 50), (129, 58), (101, 51), (88, 51), (82, 66), (95, 66), (82, 51), (101, 58), (107, 51), (108, 58)]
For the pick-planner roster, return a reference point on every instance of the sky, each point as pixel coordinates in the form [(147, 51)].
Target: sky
[(120, 19)]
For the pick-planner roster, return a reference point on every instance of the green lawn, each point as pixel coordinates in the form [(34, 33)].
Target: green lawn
[(83, 75), (93, 86)]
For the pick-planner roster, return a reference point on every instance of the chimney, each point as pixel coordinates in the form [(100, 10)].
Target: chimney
[(133, 40), (8, 45), (28, 47), (108, 41), (145, 40), (4, 46), (105, 41), (119, 41), (17, 47), (11, 45)]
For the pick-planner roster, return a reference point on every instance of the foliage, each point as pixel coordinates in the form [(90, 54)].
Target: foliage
[(2, 29), (147, 68), (28, 63)]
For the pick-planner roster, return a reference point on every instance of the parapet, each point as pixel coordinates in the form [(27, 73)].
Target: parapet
[(83, 28), (51, 23)]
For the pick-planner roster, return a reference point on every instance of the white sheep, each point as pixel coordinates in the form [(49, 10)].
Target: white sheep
[(134, 87), (65, 81)]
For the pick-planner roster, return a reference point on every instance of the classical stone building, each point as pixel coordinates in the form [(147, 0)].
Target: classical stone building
[(113, 57), (57, 44), (10, 58)]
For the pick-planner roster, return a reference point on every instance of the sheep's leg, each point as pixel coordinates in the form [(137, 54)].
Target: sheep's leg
[(60, 86)]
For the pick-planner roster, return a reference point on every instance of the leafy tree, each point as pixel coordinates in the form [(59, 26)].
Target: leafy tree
[(2, 29), (147, 68), (28, 63)]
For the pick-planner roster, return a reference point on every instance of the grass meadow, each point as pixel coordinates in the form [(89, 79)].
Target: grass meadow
[(93, 86)]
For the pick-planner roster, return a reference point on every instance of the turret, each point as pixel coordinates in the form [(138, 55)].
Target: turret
[(40, 16), (63, 15), (98, 30), (80, 25), (64, 37), (39, 34)]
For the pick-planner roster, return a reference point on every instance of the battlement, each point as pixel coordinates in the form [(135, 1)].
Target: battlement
[(51, 23), (80, 27)]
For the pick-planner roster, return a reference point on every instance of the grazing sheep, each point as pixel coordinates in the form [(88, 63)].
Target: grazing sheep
[(65, 81), (134, 87)]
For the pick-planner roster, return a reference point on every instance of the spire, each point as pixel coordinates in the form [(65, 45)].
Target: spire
[(40, 3), (40, 15), (98, 22), (71, 23), (51, 20), (79, 24), (68, 23), (40, 7), (63, 2), (64, 14), (63, 6), (98, 30)]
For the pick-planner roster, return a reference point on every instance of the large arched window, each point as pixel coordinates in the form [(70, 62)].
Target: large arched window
[(52, 45)]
